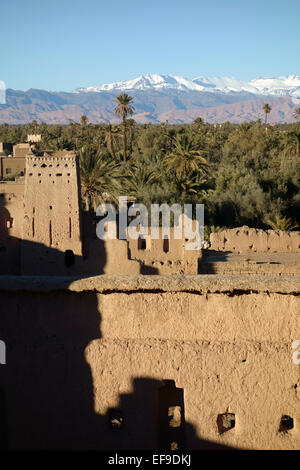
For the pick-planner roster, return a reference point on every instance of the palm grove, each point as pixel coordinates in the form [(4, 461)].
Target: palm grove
[(243, 174)]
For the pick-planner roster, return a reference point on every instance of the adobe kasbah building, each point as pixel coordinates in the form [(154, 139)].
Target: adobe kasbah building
[(140, 344)]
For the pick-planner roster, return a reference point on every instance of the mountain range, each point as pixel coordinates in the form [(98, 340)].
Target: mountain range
[(160, 98)]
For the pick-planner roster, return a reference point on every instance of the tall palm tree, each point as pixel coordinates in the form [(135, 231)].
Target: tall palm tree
[(110, 132), (267, 109), (123, 109), (130, 125), (83, 120), (99, 178), (185, 157)]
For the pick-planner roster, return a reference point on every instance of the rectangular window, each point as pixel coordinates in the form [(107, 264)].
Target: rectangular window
[(141, 243), (166, 244), (8, 171)]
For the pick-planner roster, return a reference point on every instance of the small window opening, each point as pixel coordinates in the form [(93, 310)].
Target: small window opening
[(141, 243), (115, 417), (174, 446), (225, 422), (174, 415), (166, 245), (286, 423), (69, 258), (50, 232)]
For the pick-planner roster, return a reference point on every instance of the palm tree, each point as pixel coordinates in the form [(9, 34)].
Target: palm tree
[(99, 178), (267, 109), (297, 113), (281, 223), (83, 120), (198, 123), (139, 179), (123, 109), (185, 158), (111, 131), (130, 125), (187, 185)]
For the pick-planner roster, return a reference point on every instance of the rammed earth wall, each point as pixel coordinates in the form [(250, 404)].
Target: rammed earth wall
[(245, 239), (83, 355)]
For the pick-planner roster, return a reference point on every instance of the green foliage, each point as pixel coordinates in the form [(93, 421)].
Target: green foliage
[(99, 178), (281, 223), (241, 173), (185, 158)]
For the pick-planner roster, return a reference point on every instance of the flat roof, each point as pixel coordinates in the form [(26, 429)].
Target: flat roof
[(233, 284)]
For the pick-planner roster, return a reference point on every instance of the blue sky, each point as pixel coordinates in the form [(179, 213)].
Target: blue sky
[(63, 44)]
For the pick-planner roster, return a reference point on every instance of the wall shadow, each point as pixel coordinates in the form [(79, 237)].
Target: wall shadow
[(27, 257), (46, 387), (207, 264)]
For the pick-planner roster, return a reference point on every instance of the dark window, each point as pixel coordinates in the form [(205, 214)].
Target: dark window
[(286, 423), (8, 171), (115, 417), (50, 232), (166, 244), (225, 422), (141, 243), (69, 258)]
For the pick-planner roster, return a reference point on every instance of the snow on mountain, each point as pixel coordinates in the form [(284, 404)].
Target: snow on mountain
[(280, 86), (225, 84), (148, 81)]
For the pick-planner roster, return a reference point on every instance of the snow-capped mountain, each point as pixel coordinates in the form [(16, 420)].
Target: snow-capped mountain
[(224, 84), (146, 82), (160, 98), (280, 86)]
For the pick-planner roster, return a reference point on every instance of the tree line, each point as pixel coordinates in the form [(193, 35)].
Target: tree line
[(246, 174)]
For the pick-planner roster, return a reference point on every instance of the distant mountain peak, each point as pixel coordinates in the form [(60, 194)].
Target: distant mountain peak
[(161, 98), (271, 86), (147, 81)]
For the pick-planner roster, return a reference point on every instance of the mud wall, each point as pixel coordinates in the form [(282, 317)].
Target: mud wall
[(87, 361), (245, 239)]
